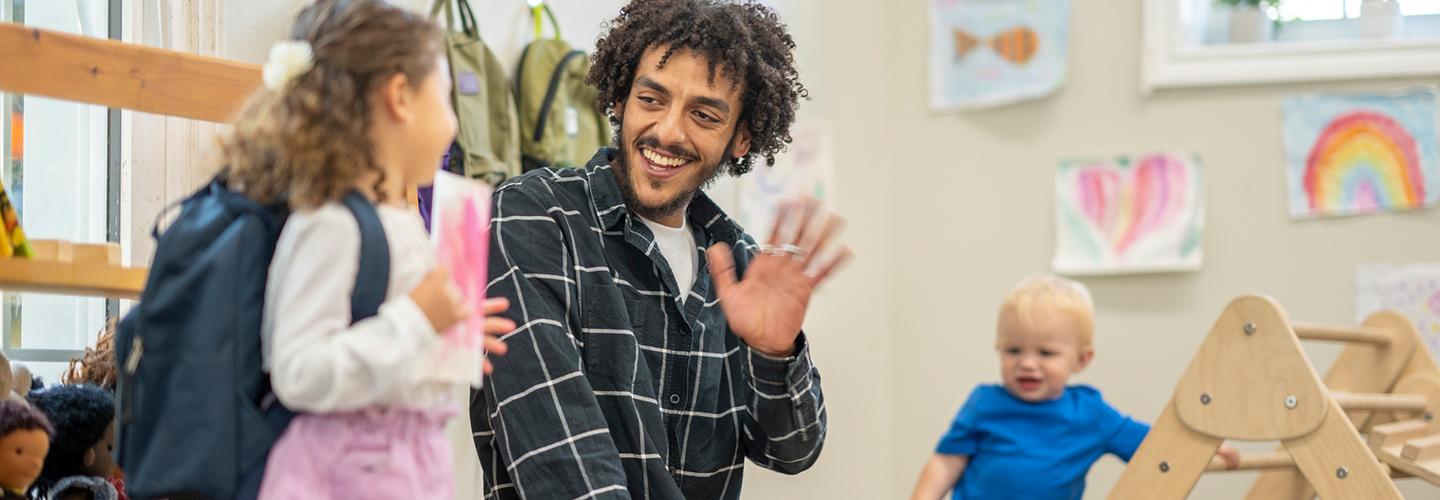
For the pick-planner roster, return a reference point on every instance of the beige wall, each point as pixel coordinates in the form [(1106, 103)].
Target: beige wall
[(841, 49), (973, 213)]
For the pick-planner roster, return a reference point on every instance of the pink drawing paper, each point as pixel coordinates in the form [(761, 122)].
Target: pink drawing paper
[(461, 222)]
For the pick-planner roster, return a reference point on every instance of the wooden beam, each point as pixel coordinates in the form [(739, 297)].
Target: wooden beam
[(122, 75), (1397, 433), (1427, 471), (1337, 463), (98, 279), (1422, 449)]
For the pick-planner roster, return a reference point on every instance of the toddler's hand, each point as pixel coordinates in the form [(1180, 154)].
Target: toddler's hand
[(1230, 455), (438, 299)]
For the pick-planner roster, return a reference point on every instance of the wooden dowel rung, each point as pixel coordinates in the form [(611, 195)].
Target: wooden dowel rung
[(1277, 460), (1380, 402), (1311, 331)]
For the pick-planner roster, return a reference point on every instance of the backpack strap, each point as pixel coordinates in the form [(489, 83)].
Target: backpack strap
[(373, 279), (371, 283), (551, 91), (535, 11)]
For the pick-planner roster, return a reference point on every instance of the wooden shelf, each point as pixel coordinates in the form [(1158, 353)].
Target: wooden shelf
[(123, 75), (117, 75), (71, 278), (72, 269)]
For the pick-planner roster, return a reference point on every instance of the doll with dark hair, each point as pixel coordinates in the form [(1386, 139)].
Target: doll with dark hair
[(97, 366), (24, 441), (80, 457)]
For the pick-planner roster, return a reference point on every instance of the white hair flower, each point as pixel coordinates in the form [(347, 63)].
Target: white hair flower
[(288, 59)]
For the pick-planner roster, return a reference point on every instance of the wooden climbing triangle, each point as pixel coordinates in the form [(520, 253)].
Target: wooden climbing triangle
[(1344, 436)]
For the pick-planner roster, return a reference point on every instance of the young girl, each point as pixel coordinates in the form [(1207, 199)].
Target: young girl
[(357, 98)]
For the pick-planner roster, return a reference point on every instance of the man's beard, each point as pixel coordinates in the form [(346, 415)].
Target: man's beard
[(681, 200)]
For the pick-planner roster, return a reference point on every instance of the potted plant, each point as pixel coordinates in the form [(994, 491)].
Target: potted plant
[(1248, 21), (1381, 19)]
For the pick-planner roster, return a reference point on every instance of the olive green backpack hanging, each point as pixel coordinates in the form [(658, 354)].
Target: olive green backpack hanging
[(489, 131), (559, 122)]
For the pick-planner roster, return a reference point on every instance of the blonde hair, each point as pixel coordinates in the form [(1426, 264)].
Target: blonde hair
[(308, 142), (1041, 295)]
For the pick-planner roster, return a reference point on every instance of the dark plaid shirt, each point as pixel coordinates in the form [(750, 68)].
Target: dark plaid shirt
[(612, 387)]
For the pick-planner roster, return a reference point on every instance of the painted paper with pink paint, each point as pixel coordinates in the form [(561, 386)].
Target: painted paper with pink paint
[(1412, 290), (1129, 214), (461, 222)]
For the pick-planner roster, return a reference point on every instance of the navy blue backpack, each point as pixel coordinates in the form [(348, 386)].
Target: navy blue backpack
[(197, 417)]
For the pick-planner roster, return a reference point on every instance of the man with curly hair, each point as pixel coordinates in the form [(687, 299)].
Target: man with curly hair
[(642, 368)]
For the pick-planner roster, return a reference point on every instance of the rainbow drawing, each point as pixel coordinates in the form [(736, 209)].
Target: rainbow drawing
[(1361, 154), (1138, 213)]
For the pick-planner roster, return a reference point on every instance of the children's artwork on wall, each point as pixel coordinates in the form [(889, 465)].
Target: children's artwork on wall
[(1129, 214), (1361, 153), (1412, 290), (461, 222), (806, 169), (987, 53)]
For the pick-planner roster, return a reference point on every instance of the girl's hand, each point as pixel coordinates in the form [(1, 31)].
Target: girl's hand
[(438, 299)]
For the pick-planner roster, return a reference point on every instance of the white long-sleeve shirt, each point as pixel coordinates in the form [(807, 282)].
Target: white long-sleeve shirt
[(319, 362)]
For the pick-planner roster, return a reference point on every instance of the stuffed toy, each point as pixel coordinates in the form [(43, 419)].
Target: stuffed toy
[(24, 442), (15, 380), (81, 452)]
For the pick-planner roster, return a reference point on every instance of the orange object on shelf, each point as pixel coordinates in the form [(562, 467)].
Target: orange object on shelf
[(17, 135)]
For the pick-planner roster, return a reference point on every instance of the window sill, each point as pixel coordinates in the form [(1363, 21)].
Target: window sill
[(1288, 62), (1168, 61)]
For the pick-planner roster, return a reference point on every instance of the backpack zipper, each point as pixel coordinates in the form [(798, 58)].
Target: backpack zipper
[(132, 362)]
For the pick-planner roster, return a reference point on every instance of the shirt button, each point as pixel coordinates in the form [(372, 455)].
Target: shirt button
[(674, 399)]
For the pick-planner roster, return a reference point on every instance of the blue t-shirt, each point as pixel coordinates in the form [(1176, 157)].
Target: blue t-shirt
[(1035, 451)]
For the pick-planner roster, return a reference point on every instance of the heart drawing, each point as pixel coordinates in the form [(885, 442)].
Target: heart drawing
[(1129, 201)]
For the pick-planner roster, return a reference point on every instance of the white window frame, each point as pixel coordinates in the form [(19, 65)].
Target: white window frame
[(94, 161), (165, 158), (1167, 61)]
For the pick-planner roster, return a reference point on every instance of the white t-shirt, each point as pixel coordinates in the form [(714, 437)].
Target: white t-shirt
[(678, 248)]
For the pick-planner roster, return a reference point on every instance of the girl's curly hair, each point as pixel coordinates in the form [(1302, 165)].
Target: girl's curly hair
[(309, 141), (745, 42)]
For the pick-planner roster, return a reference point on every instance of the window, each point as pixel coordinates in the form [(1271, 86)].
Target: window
[(1333, 20), (1197, 43), (61, 168), (1324, 10)]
